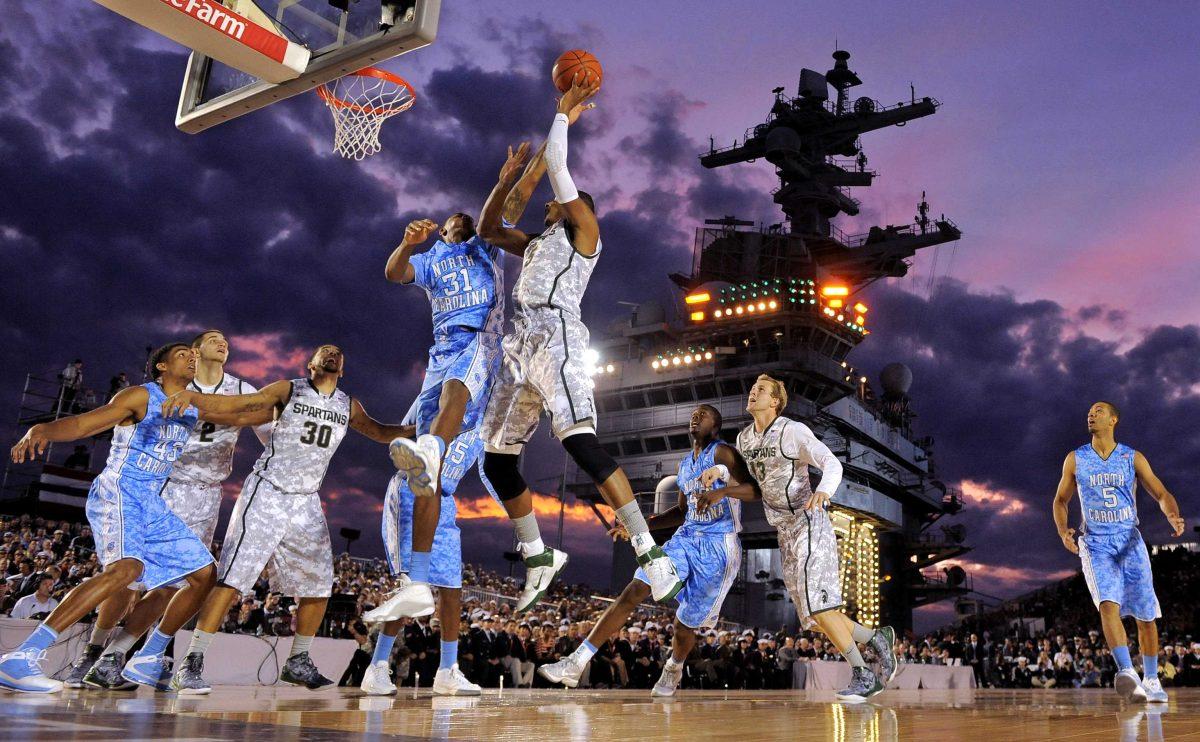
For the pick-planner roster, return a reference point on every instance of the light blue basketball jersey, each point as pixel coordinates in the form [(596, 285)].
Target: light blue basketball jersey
[(464, 282), (1107, 490), (725, 516), (146, 451)]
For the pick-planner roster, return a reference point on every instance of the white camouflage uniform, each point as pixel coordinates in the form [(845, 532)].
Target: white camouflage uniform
[(779, 458), (278, 521), (194, 490), (544, 364)]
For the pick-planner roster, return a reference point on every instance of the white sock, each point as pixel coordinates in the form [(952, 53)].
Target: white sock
[(533, 548), (100, 636), (200, 642), (583, 653), (300, 645), (122, 643)]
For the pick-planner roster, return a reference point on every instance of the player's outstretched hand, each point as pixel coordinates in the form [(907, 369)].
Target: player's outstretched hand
[(515, 162), (1177, 523), (31, 445), (618, 533), (575, 100), (708, 498), (710, 476), (177, 403), (817, 501), (418, 231), (1068, 539)]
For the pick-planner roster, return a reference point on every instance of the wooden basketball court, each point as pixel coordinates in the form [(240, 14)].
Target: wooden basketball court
[(266, 713)]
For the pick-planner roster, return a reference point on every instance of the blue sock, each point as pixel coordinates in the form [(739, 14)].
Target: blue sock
[(1122, 655), (589, 646), (420, 566), (449, 655), (41, 638), (156, 643), (1149, 665), (383, 648)]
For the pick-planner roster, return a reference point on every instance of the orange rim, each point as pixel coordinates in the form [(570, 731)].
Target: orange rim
[(331, 99)]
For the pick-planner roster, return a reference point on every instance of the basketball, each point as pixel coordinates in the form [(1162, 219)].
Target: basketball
[(569, 63)]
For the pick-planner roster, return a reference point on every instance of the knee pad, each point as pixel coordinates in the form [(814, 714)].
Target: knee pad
[(504, 475), (587, 452)]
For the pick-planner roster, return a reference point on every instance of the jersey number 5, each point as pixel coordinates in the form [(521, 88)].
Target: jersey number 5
[(1110, 496), (319, 435)]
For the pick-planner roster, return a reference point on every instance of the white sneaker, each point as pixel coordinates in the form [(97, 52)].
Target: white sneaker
[(668, 682), (1129, 686), (540, 571), (378, 680), (451, 682), (411, 599), (566, 671), (421, 462), (660, 570), (1154, 690)]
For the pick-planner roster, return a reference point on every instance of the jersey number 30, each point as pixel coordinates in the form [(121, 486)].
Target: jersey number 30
[(320, 435)]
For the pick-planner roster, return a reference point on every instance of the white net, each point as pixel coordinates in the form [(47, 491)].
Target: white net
[(360, 102)]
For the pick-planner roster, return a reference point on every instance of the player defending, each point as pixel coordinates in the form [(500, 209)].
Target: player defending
[(193, 492), (705, 550), (544, 363), (1116, 565), (278, 521), (138, 538), (779, 451), (445, 566)]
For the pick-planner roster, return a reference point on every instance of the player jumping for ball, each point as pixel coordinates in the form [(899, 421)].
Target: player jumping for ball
[(544, 363), (779, 451), (1116, 566), (705, 550)]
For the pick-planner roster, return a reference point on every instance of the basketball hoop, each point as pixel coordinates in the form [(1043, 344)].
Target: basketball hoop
[(360, 102)]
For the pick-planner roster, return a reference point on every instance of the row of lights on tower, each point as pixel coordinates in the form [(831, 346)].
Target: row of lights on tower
[(681, 358)]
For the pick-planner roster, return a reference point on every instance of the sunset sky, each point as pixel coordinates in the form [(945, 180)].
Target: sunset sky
[(1066, 148)]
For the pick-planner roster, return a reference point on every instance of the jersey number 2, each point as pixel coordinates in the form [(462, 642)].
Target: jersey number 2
[(319, 435), (206, 431)]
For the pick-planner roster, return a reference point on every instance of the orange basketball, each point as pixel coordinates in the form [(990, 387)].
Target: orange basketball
[(569, 63)]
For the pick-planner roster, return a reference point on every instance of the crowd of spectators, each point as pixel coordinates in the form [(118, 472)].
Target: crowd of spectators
[(40, 560)]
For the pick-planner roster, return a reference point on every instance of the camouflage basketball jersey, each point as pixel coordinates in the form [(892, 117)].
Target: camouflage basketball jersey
[(782, 475), (553, 273), (207, 457), (304, 438)]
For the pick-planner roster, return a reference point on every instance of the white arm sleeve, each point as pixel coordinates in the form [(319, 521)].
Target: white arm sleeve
[(556, 161), (813, 452)]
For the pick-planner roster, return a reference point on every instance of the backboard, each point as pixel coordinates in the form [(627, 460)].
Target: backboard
[(340, 42)]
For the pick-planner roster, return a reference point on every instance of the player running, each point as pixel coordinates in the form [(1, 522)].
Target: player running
[(779, 451), (544, 363), (193, 492), (1116, 565), (705, 550), (138, 538), (445, 565), (278, 522)]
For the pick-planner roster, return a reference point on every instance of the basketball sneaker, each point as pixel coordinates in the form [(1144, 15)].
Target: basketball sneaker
[(151, 670), (566, 671), (863, 685), (884, 644), (668, 682), (22, 671), (377, 680), (80, 667), (421, 462), (1129, 686), (408, 599), (106, 673), (540, 571), (189, 678), (1154, 690), (300, 670), (660, 570), (450, 681)]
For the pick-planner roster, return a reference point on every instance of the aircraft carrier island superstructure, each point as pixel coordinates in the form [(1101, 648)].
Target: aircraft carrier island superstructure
[(785, 300)]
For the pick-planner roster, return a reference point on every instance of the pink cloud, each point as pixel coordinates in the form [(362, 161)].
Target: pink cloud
[(997, 501), (266, 356)]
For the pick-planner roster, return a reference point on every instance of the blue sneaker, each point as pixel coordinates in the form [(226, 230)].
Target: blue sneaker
[(151, 670), (22, 671)]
